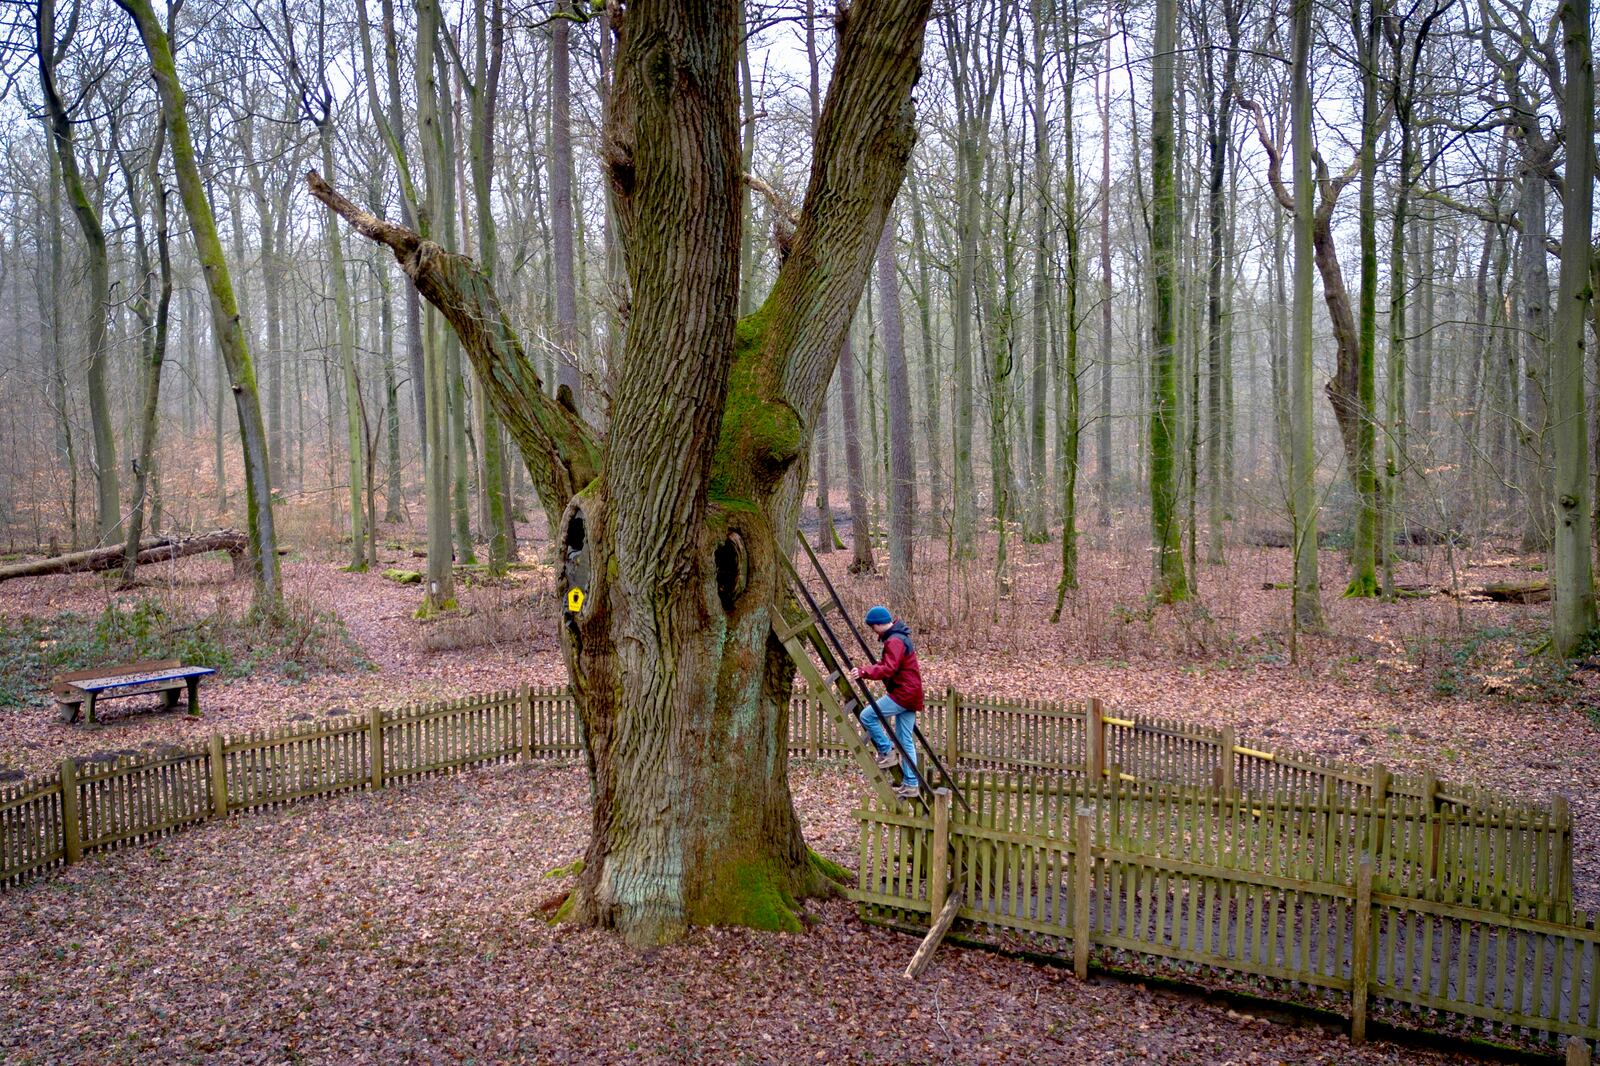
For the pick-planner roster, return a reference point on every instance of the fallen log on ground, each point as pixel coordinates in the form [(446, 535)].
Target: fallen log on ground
[(151, 550), (1531, 592)]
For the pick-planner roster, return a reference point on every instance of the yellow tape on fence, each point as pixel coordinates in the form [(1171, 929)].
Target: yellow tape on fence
[(1265, 755), (1108, 720)]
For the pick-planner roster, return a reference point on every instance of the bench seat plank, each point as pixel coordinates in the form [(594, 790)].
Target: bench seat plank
[(103, 684)]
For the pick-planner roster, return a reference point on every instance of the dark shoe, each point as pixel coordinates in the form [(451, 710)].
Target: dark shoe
[(889, 759), (907, 792)]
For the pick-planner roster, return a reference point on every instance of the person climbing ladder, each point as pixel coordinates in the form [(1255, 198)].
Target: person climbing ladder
[(902, 676)]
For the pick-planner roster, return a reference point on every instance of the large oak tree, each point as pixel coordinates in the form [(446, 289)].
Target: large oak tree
[(682, 511)]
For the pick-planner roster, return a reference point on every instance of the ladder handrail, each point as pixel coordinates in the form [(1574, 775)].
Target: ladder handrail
[(833, 594)]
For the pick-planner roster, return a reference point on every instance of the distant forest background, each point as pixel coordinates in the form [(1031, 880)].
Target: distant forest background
[(1088, 309)]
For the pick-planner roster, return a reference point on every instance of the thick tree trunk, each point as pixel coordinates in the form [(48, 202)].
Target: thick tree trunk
[(682, 692)]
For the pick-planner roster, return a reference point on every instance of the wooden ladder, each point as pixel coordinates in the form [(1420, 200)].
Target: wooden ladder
[(833, 687), (834, 691)]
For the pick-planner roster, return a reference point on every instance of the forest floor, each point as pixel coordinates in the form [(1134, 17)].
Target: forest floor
[(401, 926), (392, 926)]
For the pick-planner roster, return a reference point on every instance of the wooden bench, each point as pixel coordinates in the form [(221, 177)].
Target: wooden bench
[(84, 688)]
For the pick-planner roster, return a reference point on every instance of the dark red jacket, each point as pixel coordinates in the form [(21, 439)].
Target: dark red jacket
[(898, 669)]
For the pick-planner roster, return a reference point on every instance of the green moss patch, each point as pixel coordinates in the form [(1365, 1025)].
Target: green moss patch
[(754, 431), (752, 894)]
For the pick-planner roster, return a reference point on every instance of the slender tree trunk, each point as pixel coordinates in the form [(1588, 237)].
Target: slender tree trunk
[(155, 350), (1219, 140), (224, 308), (1363, 552), (1536, 349), (1103, 429), (49, 52), (902, 465), (355, 439), (930, 363), (827, 535), (1068, 428), (1302, 465), (861, 556), (567, 375), (441, 593), (51, 311), (1035, 517), (1571, 560), (1170, 580)]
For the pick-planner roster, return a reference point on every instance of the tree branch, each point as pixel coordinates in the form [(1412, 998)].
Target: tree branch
[(561, 451), (863, 141)]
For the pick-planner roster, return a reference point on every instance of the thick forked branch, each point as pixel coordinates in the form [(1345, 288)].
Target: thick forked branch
[(863, 141), (561, 451)]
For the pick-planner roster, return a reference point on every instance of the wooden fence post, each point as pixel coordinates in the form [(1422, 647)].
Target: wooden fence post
[(1561, 819), (1578, 1052), (1083, 839), (1226, 762), (812, 709), (1430, 854), (952, 726), (1378, 845), (939, 861), (525, 723), (219, 778), (375, 745), (1095, 740), (71, 825), (1361, 951)]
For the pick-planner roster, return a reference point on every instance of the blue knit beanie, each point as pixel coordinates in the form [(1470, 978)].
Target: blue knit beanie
[(879, 616)]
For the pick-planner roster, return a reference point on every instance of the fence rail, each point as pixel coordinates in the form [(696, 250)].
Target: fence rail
[(1111, 870)]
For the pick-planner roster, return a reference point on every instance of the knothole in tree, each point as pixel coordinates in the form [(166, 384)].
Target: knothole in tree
[(574, 553), (733, 570)]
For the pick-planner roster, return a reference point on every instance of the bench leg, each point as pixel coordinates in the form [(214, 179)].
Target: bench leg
[(193, 684), (88, 708), (69, 711), (169, 699)]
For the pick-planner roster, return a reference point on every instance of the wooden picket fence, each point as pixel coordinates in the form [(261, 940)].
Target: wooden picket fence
[(1331, 905), (90, 806)]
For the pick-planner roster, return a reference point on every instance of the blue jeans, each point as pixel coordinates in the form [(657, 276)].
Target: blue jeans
[(904, 723)]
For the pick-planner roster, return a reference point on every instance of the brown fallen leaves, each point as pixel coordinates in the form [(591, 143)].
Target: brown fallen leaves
[(401, 927)]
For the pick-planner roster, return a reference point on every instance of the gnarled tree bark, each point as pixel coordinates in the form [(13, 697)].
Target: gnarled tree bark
[(679, 516)]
